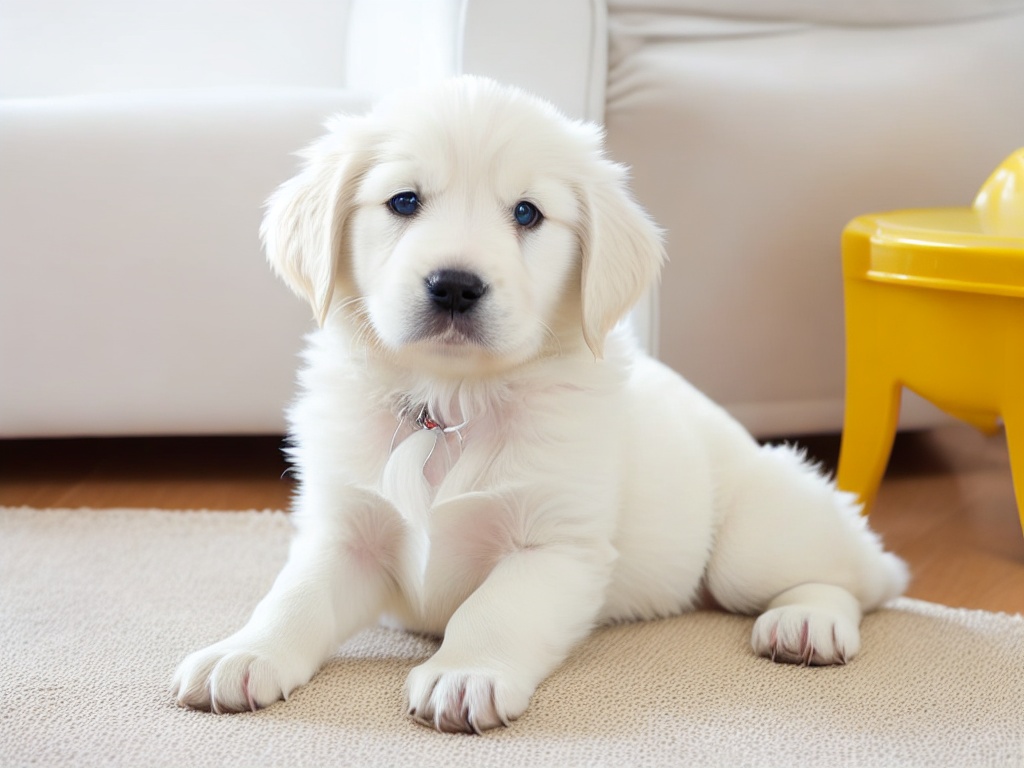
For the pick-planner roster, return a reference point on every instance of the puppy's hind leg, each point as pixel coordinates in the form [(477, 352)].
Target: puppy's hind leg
[(338, 578), (797, 551)]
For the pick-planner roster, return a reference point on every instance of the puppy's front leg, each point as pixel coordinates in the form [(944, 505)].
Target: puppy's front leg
[(337, 579), (507, 636)]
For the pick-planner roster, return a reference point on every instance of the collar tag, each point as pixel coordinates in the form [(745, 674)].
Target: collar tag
[(425, 421)]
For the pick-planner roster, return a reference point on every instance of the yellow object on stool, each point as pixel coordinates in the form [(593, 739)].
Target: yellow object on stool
[(935, 303)]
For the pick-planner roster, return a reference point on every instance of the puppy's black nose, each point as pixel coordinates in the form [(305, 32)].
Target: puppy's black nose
[(454, 290)]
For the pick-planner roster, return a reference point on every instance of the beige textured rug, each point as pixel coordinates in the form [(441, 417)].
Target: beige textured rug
[(97, 607)]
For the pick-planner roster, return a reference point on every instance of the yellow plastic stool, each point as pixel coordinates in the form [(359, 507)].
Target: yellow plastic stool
[(935, 303)]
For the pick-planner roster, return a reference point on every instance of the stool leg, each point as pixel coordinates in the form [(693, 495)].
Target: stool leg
[(1014, 423), (869, 428)]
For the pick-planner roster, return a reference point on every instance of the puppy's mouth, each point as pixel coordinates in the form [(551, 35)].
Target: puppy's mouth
[(453, 330)]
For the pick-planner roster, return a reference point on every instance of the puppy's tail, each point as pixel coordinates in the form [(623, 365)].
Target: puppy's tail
[(886, 576), (895, 577)]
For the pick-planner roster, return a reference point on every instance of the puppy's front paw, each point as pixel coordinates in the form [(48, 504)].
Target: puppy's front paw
[(801, 635), (231, 677), (464, 699)]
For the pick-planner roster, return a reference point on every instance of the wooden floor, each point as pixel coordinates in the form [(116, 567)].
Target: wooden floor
[(946, 506)]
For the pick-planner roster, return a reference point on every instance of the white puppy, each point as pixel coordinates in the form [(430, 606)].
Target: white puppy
[(481, 456)]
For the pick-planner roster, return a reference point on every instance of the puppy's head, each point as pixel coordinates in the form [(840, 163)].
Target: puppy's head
[(467, 228)]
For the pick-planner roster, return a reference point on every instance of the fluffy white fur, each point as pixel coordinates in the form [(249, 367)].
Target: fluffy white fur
[(578, 481)]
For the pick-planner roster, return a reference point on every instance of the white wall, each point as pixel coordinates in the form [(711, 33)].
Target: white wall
[(67, 47)]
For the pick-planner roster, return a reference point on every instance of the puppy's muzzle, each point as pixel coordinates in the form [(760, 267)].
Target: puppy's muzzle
[(454, 291), (452, 312)]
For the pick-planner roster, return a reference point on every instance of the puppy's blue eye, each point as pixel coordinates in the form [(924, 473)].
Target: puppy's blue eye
[(404, 203), (526, 214)]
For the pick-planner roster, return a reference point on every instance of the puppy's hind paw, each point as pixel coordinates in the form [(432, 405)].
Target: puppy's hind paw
[(798, 635)]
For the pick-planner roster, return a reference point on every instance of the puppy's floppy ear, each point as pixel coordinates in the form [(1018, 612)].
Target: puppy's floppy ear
[(622, 252), (304, 224)]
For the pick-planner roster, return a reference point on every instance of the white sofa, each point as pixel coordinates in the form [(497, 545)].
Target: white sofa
[(138, 141)]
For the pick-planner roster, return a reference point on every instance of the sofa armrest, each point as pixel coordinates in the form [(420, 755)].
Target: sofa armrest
[(134, 298)]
